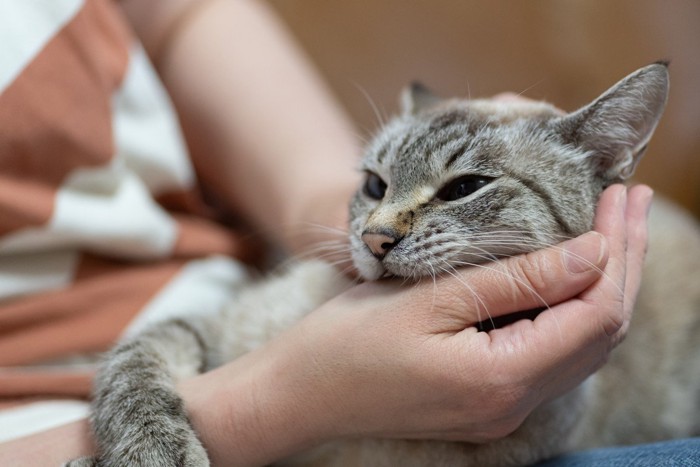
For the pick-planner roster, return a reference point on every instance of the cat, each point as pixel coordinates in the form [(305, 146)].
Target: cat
[(453, 182)]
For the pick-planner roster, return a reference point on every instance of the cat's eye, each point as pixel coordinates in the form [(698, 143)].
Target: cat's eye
[(462, 187), (374, 186)]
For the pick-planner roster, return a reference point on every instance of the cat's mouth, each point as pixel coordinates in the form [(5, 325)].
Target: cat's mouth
[(382, 270), (388, 274), (372, 268)]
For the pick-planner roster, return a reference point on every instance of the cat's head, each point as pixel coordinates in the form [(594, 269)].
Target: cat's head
[(456, 182)]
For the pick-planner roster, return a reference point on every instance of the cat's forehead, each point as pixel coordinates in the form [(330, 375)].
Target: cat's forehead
[(508, 110), (457, 137)]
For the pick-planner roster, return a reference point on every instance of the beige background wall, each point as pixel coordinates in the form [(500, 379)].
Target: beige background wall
[(564, 51)]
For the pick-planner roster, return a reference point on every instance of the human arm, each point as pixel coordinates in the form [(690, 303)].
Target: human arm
[(266, 137)]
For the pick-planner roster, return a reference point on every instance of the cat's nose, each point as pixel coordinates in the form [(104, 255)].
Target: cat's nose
[(379, 244)]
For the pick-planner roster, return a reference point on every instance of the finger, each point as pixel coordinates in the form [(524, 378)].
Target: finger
[(556, 352), (639, 202), (621, 216), (513, 98), (510, 97), (566, 343), (636, 214), (608, 294), (523, 282)]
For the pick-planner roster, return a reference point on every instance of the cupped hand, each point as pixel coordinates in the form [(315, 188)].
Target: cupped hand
[(394, 361)]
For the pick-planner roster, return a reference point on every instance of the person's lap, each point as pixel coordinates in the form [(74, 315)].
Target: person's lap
[(675, 453)]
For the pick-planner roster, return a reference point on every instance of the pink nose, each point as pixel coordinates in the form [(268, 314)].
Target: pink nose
[(379, 244)]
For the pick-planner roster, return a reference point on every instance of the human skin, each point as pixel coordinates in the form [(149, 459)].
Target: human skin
[(267, 138)]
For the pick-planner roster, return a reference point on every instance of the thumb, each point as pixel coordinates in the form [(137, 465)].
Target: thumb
[(533, 280)]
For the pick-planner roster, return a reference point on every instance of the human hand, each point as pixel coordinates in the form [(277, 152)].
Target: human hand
[(406, 362)]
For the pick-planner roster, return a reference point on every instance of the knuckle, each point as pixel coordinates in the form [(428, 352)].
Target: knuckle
[(614, 322)]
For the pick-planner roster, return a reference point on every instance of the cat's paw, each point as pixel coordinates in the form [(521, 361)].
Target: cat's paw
[(186, 452), (190, 454), (194, 454)]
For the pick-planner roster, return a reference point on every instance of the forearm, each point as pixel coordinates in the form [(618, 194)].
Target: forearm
[(266, 136), (246, 413), (50, 447)]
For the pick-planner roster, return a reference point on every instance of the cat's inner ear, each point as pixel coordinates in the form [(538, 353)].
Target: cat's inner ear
[(417, 97), (616, 128)]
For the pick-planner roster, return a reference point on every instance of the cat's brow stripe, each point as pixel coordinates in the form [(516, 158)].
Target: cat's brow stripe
[(412, 148), (381, 154), (457, 153), (403, 142), (448, 119)]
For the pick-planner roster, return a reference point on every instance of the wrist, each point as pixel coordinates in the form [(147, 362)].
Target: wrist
[(253, 411)]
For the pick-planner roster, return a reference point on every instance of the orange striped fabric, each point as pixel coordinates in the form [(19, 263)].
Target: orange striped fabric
[(101, 225)]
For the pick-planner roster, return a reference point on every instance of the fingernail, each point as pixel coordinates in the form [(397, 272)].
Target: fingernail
[(584, 253)]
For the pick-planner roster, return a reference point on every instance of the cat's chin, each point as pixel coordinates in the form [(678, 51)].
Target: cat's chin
[(369, 268), (366, 265), (378, 271), (372, 273)]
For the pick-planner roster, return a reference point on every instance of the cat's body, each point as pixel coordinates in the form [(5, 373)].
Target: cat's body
[(451, 183)]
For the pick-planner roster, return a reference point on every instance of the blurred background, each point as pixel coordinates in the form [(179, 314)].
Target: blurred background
[(565, 52)]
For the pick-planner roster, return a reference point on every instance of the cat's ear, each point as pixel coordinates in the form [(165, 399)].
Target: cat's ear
[(416, 97), (616, 128)]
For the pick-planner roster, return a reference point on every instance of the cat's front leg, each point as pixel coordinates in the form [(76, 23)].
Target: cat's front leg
[(138, 418)]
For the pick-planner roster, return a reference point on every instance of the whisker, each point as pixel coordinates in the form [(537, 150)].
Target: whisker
[(491, 267), (530, 87), (449, 269), (380, 116), (311, 227)]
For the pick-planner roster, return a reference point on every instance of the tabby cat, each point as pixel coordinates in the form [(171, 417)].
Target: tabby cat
[(449, 183)]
